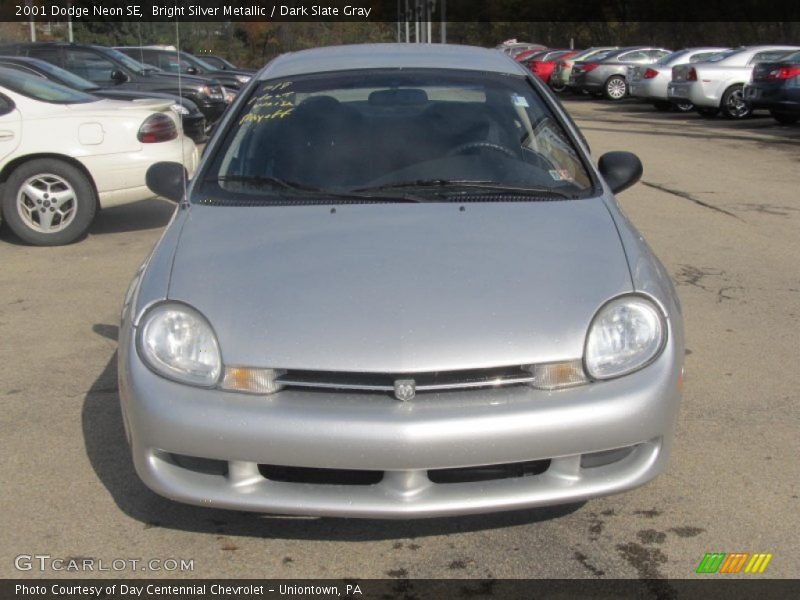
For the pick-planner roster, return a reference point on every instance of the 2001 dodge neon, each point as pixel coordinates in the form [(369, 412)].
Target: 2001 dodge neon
[(398, 287)]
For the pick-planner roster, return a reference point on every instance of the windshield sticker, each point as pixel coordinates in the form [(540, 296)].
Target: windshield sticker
[(275, 102), (560, 175), (519, 101)]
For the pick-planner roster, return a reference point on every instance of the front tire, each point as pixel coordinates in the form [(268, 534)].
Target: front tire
[(784, 118), (48, 202), (616, 88), (684, 106), (733, 105)]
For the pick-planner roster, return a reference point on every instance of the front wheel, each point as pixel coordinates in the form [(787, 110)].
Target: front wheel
[(558, 88), (616, 88), (784, 118), (48, 202), (684, 106), (734, 106)]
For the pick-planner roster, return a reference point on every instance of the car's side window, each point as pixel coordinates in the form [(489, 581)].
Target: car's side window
[(6, 105), (635, 56), (90, 65), (768, 55), (701, 56), (657, 54), (46, 53)]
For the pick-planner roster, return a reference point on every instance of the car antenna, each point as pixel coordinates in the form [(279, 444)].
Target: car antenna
[(185, 200)]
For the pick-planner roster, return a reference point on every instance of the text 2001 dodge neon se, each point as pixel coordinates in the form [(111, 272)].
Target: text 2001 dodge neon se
[(398, 287)]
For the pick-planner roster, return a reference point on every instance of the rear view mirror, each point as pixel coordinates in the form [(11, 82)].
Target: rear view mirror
[(191, 71), (167, 179), (118, 76), (620, 170)]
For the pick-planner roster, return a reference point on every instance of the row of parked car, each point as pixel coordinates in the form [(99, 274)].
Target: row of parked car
[(710, 80), (81, 124)]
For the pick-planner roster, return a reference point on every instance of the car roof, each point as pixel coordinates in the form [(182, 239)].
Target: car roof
[(378, 56)]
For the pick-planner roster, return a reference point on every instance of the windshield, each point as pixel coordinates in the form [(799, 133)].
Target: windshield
[(791, 58), (196, 62), (127, 61), (722, 55), (669, 58), (41, 89), (69, 79), (374, 131)]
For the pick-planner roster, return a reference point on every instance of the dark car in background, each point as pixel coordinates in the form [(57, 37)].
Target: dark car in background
[(608, 76), (776, 87), (220, 63), (192, 120), (106, 67), (168, 59)]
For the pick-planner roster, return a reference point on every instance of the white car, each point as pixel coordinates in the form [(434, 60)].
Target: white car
[(649, 82), (717, 83), (64, 154)]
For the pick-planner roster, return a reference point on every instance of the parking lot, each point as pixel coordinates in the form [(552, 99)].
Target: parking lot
[(719, 203)]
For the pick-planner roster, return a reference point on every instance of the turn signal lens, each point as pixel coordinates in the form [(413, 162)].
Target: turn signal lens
[(252, 381), (553, 376), (650, 74)]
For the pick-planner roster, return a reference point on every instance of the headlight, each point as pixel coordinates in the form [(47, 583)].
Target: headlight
[(625, 335), (179, 109), (243, 78), (177, 342)]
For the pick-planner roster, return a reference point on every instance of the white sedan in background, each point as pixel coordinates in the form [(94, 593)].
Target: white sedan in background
[(64, 154)]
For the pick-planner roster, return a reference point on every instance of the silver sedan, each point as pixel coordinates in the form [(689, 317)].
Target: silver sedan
[(398, 287), (649, 82)]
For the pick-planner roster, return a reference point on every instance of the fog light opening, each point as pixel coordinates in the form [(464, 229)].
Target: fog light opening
[(605, 457)]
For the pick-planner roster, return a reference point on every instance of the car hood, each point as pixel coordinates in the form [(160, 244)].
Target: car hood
[(400, 288)]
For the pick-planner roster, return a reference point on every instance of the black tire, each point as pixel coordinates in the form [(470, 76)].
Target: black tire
[(615, 88), (733, 105), (784, 118), (558, 89), (704, 111), (662, 105), (48, 202), (684, 106)]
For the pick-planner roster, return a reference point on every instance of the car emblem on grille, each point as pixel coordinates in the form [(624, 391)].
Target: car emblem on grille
[(404, 389)]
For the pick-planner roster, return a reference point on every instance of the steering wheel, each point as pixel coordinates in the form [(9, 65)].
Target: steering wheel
[(462, 148)]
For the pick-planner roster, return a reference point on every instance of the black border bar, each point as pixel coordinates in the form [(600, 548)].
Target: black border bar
[(393, 10), (711, 587)]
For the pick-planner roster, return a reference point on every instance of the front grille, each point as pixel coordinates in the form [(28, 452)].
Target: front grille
[(489, 472), (320, 476), (424, 382)]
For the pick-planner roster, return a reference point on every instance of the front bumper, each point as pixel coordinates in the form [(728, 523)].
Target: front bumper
[(167, 422)]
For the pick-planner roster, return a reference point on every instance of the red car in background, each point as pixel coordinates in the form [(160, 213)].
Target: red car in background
[(543, 63)]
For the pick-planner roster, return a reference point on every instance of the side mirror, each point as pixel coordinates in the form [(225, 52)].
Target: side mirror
[(118, 76), (620, 170), (191, 71), (166, 179)]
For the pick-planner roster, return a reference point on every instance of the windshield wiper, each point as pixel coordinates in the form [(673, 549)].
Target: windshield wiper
[(465, 184), (300, 188)]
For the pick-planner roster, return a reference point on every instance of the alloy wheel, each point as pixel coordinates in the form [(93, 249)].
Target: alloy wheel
[(47, 203)]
